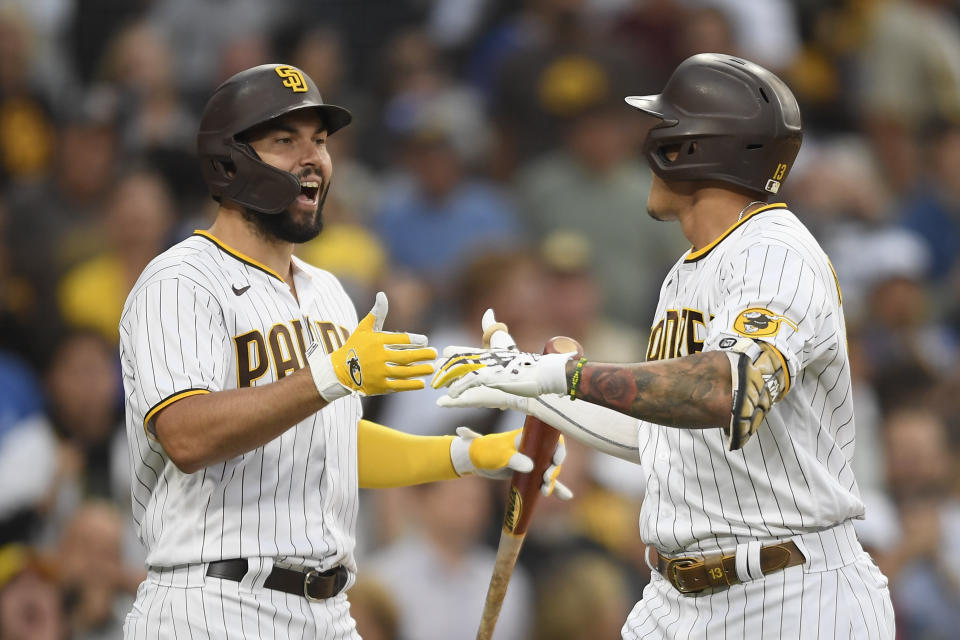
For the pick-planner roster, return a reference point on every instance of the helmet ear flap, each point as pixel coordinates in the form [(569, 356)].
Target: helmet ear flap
[(230, 178), (218, 172), (224, 167), (271, 191)]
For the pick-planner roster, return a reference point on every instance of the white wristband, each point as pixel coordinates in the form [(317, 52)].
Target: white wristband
[(552, 373), (321, 368), (460, 455)]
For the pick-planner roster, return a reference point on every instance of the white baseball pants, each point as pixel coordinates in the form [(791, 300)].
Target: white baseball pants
[(838, 593), (182, 603)]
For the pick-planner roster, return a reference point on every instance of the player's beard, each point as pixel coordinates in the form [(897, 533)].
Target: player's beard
[(285, 225)]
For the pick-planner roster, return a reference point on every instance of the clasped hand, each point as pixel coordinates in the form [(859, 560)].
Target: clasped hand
[(372, 361), (516, 372)]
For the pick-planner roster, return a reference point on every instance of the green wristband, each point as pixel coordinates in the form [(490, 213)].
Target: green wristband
[(575, 380)]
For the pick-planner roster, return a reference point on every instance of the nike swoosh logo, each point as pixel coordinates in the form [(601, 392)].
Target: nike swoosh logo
[(239, 290)]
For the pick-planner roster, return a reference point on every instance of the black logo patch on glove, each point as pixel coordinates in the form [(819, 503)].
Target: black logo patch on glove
[(353, 364)]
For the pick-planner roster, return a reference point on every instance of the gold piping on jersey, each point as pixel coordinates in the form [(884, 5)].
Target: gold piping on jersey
[(836, 281), (693, 256), (238, 255), (166, 402)]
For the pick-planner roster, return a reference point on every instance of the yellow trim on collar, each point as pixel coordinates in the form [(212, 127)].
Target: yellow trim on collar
[(693, 256), (166, 402), (238, 255)]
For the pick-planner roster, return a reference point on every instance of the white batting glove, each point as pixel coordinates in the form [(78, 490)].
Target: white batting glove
[(524, 374), (497, 456)]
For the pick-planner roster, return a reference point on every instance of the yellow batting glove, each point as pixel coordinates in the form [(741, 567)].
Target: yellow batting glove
[(496, 456), (372, 361)]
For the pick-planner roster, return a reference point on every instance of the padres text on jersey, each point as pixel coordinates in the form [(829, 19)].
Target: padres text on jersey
[(768, 279), (204, 318)]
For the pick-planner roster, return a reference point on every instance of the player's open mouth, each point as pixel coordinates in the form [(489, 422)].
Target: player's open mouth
[(309, 190)]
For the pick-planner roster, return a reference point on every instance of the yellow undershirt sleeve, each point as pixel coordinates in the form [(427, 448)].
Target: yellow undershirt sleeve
[(390, 458)]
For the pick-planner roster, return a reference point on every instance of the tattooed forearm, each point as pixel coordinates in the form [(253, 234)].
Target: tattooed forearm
[(693, 391)]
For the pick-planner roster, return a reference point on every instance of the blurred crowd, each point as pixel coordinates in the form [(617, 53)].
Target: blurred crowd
[(491, 163)]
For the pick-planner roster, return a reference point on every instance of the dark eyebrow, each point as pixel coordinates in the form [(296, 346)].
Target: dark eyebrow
[(279, 126)]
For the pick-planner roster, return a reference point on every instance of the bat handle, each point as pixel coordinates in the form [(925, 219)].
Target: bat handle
[(496, 337), (539, 441), (507, 553)]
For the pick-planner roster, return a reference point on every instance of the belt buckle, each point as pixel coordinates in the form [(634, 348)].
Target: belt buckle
[(681, 563), (307, 579)]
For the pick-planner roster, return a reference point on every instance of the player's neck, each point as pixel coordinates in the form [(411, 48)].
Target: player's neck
[(711, 213), (232, 229)]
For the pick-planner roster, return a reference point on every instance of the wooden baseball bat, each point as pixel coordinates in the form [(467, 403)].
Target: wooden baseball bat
[(539, 440)]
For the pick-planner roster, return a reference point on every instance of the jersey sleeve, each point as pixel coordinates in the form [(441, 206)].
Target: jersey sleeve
[(180, 344), (769, 292)]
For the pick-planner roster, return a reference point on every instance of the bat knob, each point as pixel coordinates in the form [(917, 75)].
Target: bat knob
[(496, 336), (563, 344)]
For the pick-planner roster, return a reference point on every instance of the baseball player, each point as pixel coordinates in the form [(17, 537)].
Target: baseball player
[(243, 369), (741, 418)]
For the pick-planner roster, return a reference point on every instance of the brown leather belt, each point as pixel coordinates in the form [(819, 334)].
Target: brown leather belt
[(693, 575), (309, 583)]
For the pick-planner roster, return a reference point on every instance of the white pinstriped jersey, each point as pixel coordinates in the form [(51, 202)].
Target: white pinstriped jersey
[(766, 278), (204, 318)]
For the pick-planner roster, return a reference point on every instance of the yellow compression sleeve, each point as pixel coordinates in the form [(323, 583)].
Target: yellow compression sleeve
[(390, 458)]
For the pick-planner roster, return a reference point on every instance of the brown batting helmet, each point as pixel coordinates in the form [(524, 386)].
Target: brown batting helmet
[(731, 120), (231, 168)]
